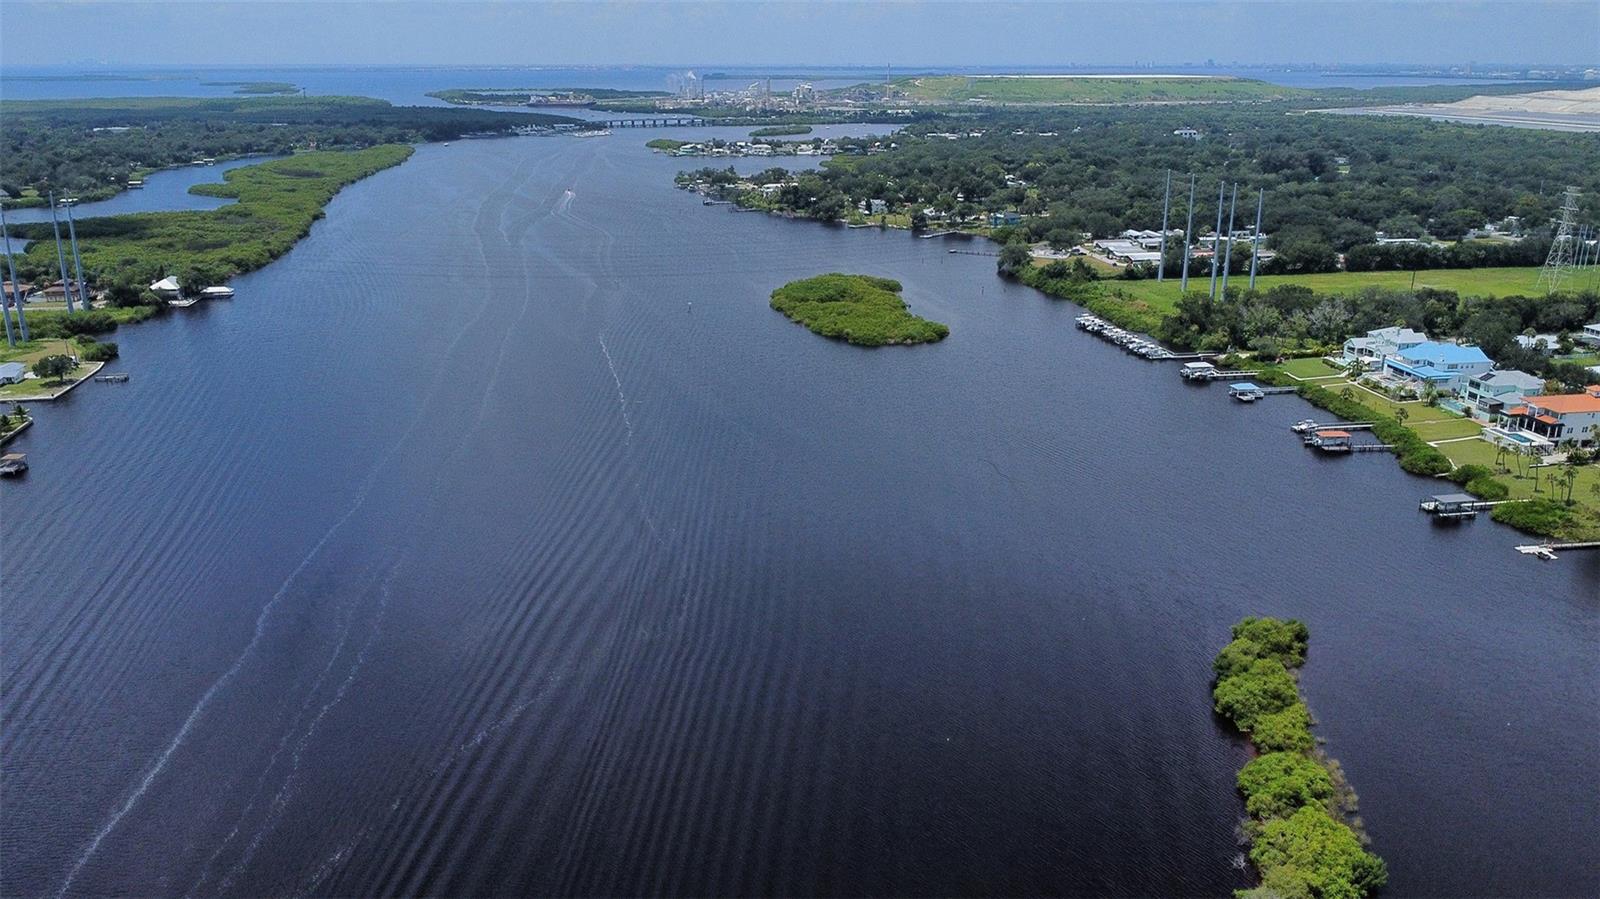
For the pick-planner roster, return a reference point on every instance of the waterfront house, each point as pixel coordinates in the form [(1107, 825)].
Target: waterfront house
[(1379, 345), (1495, 391), (1445, 367), (12, 373), (999, 219), (1560, 417), (54, 292), (1590, 334), (167, 288)]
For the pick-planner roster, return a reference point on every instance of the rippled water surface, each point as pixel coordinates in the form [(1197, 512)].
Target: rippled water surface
[(500, 539)]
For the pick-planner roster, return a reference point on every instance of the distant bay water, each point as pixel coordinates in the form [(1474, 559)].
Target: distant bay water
[(411, 84)]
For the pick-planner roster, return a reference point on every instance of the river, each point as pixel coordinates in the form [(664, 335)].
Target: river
[(499, 539)]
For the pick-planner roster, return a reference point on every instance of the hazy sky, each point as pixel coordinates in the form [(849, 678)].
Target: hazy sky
[(899, 32)]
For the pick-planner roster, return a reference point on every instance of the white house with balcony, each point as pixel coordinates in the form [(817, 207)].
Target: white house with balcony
[(1373, 349)]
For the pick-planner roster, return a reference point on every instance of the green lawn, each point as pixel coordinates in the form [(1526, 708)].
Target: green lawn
[(1475, 281), (1311, 368), (1481, 452)]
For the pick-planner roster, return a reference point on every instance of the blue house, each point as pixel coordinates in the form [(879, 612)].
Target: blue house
[(1445, 366)]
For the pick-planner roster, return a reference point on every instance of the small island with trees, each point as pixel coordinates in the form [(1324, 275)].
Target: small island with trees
[(860, 309), (1305, 837)]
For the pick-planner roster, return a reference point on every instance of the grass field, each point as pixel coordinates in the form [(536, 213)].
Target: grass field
[(1496, 282), (1069, 89), (1306, 369)]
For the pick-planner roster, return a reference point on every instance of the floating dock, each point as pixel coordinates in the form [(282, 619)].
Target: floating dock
[(120, 377), (1547, 551)]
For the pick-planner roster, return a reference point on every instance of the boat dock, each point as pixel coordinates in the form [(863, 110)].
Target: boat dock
[(1137, 344), (13, 465), (1547, 551), (1456, 505), (1308, 425), (1205, 371)]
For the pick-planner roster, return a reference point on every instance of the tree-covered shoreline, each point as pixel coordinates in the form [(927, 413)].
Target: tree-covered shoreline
[(91, 148)]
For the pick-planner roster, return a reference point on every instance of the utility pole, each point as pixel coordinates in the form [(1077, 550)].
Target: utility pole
[(1228, 257), (1255, 239), (1188, 237), (77, 261), (1216, 239), (16, 288), (1166, 202)]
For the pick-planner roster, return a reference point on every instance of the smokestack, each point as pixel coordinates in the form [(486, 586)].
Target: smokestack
[(61, 260), (1216, 247), (77, 261), (1166, 202), (1188, 237), (16, 289), (1228, 257), (1255, 239)]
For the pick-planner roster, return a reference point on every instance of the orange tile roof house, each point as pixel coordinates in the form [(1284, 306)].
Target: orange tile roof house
[(1563, 416)]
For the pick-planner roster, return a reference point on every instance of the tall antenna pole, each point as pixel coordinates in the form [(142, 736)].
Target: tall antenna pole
[(1216, 239), (1255, 239), (1188, 236), (1229, 256), (1166, 203), (77, 261), (1559, 263), (16, 288), (61, 259)]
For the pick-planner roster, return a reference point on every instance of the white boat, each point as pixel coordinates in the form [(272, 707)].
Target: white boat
[(217, 293), (603, 132)]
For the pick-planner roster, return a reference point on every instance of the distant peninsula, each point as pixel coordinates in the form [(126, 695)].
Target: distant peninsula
[(538, 96), (256, 87), (859, 309)]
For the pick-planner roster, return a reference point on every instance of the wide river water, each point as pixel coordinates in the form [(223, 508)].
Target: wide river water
[(499, 539)]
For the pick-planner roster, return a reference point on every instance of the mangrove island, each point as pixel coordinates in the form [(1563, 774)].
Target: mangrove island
[(1305, 839), (860, 309)]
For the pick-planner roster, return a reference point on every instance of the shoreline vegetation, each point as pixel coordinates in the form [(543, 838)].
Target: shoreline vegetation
[(1305, 838), (859, 309), (277, 203), (91, 148), (256, 87), (1043, 183)]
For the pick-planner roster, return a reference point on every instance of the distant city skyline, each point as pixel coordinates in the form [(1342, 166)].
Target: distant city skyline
[(901, 33)]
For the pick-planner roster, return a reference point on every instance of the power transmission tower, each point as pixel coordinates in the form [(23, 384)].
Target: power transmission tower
[(1563, 250)]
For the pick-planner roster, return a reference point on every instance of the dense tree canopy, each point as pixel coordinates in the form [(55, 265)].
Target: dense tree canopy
[(1332, 181)]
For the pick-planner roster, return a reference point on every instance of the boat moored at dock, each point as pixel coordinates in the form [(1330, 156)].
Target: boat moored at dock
[(13, 465)]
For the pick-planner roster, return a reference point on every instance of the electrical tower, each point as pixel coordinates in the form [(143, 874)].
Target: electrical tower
[(1563, 255)]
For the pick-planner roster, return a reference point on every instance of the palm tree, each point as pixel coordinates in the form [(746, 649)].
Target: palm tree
[(1400, 414)]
